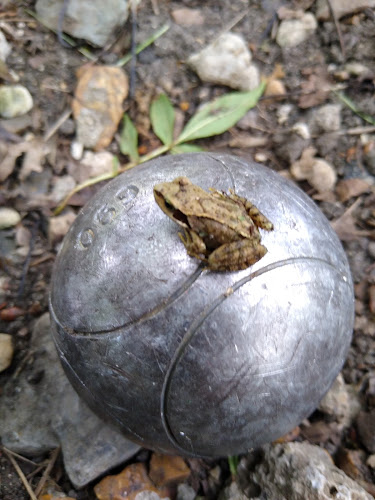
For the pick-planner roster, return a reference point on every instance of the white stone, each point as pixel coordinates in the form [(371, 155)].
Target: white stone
[(302, 130), (227, 61), (328, 118), (76, 150), (341, 402), (8, 217), (5, 48), (323, 177), (283, 113), (15, 100), (6, 351), (292, 32), (94, 21), (62, 187)]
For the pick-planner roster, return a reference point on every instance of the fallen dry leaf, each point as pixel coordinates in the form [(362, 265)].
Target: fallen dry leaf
[(349, 188), (345, 226), (97, 106), (315, 89)]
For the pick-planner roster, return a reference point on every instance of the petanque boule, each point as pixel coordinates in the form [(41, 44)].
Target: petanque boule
[(189, 360)]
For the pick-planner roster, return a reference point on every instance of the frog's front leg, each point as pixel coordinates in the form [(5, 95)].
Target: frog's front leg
[(194, 244), (256, 215), (236, 255)]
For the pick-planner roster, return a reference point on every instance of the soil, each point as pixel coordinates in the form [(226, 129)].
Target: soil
[(48, 70)]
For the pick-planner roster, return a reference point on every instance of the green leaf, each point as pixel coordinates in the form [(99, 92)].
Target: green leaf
[(351, 105), (162, 119), (186, 148), (129, 139), (220, 115)]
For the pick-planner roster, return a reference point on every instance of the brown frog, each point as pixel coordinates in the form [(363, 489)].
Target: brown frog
[(220, 229)]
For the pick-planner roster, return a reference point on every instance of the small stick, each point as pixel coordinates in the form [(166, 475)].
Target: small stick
[(47, 470), (338, 29), (55, 126), (24, 459), (21, 475)]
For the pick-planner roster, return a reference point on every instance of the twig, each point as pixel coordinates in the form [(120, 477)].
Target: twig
[(338, 29), (55, 126), (155, 7), (21, 475), (124, 60), (47, 470), (133, 62), (24, 459)]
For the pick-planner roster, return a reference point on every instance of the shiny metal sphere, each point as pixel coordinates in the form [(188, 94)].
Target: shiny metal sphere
[(190, 361)]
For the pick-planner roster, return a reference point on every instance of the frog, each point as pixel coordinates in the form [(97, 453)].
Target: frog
[(220, 229)]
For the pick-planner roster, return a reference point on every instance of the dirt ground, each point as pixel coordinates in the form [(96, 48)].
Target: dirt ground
[(48, 70)]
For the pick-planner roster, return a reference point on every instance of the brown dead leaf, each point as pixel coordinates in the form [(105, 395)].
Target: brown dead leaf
[(188, 17), (349, 188), (8, 162), (315, 89), (34, 158), (98, 99), (345, 226)]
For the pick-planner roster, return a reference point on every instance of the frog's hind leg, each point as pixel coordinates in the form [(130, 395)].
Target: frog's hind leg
[(194, 245), (256, 215), (236, 256)]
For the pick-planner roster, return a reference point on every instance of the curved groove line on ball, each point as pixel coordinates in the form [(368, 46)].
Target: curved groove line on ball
[(164, 304), (227, 169), (198, 322)]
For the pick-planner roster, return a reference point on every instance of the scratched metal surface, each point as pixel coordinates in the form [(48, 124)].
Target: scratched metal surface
[(160, 348)]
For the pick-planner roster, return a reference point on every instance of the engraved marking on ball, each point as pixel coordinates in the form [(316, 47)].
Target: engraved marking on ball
[(106, 215), (127, 194), (87, 237)]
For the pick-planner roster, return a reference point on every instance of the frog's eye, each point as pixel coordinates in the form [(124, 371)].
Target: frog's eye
[(168, 205)]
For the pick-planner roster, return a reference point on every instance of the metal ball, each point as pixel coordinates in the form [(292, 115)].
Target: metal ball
[(191, 361)]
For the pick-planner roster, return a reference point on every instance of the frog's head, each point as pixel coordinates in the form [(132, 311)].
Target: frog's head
[(169, 196)]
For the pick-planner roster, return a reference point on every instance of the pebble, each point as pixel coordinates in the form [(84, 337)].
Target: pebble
[(371, 249), (292, 32), (323, 176), (328, 118), (341, 8), (76, 150), (6, 351), (357, 69), (185, 492), (227, 61), (95, 164), (94, 21), (371, 461), (302, 129), (15, 100), (5, 48), (59, 226), (283, 113), (8, 217), (188, 17), (340, 402), (62, 187)]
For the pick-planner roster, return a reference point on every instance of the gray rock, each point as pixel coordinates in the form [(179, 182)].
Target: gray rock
[(301, 471), (341, 8), (5, 48), (341, 402), (185, 492), (292, 32), (149, 495), (227, 61), (93, 21), (327, 118), (39, 411), (15, 100), (232, 492), (8, 217)]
